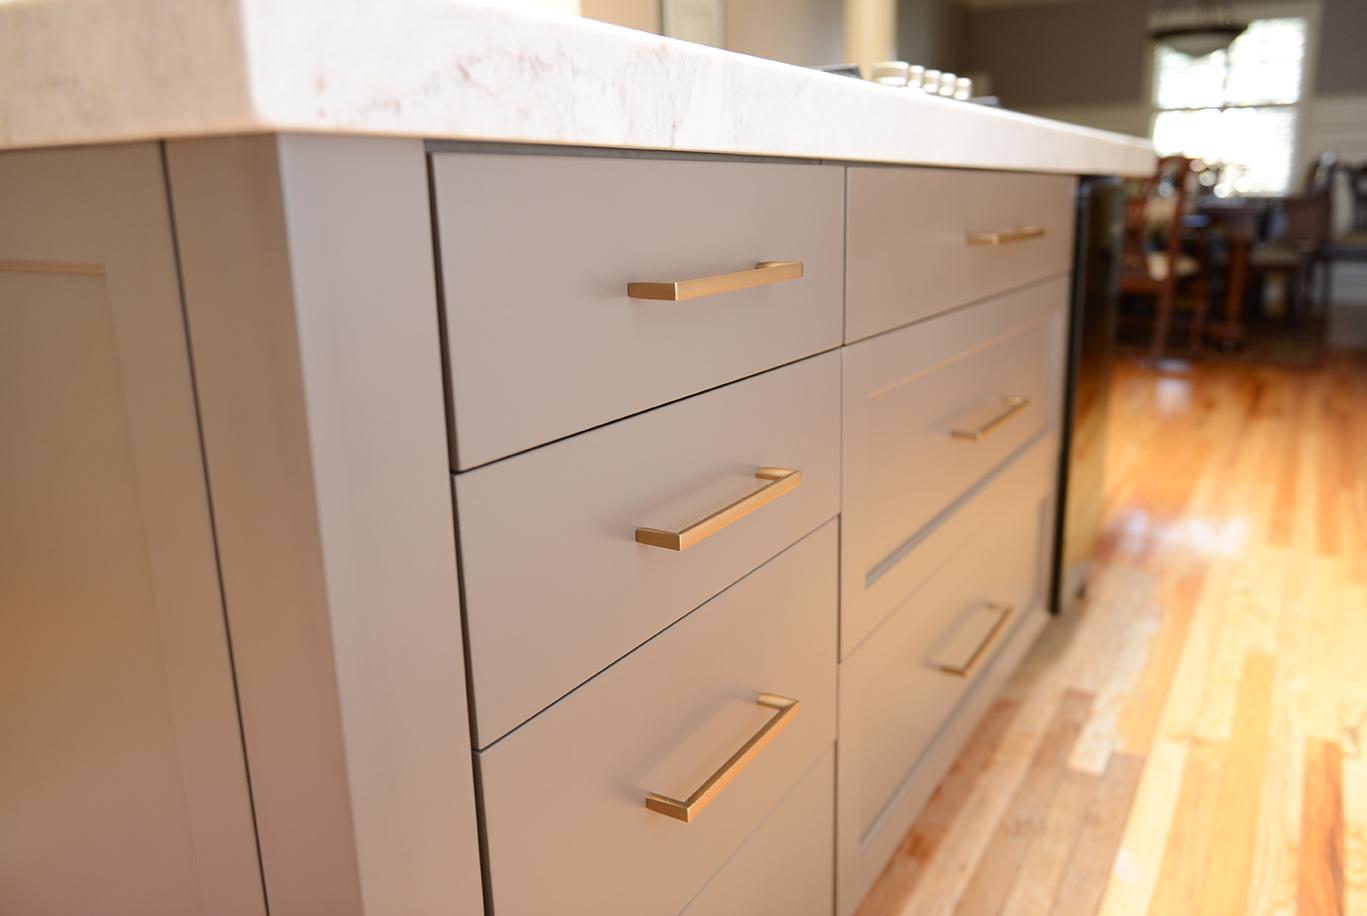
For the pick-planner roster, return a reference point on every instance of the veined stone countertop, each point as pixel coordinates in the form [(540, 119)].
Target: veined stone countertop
[(99, 71)]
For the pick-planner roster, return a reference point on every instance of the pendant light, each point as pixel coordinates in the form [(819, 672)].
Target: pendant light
[(1206, 29)]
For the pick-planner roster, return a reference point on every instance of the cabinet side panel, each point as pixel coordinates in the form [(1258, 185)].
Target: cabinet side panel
[(311, 296), (365, 298), (229, 223), (122, 778)]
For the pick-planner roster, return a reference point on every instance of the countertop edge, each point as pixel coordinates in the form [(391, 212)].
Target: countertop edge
[(474, 73)]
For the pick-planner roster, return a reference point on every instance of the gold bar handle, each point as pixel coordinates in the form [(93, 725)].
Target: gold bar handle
[(781, 480), (762, 274), (962, 655), (1003, 236), (1013, 406), (690, 807)]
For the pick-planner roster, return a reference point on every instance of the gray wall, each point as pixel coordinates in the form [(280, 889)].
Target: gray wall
[(1081, 53), (931, 33), (1343, 48), (1092, 52), (803, 32), (634, 14)]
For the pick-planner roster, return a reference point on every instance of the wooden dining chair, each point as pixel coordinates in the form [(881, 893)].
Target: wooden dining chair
[(1347, 241), (1297, 245), (1357, 187), (1152, 262)]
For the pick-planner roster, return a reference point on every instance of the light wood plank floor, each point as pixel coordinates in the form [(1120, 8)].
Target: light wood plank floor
[(1195, 740)]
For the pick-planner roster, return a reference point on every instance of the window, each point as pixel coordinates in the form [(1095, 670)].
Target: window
[(1235, 109)]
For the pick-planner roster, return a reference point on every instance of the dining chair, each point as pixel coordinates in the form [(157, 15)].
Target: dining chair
[(1296, 246), (1347, 237), (1153, 263)]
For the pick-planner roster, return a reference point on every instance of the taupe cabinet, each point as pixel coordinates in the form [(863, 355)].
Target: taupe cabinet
[(404, 528), (224, 427), (122, 778)]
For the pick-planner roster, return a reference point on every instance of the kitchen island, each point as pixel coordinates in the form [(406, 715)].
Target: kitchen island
[(461, 459)]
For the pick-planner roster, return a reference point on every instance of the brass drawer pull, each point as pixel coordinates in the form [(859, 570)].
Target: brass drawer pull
[(762, 274), (966, 650), (690, 808), (781, 480), (1013, 406), (1003, 236)]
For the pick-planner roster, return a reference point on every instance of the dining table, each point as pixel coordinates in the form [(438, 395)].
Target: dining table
[(1232, 226)]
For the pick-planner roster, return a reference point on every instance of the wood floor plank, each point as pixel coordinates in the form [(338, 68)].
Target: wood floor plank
[(1039, 684), (1276, 851), (1328, 482), (924, 839), (1139, 857), (1322, 655), (1321, 861), (1355, 835), (1184, 704), (1043, 868), (1024, 819), (1229, 863), (1123, 663), (1089, 866), (1355, 509), (1139, 720), (1283, 516), (941, 886), (1131, 596), (1223, 637), (1250, 607), (1191, 831), (1353, 747)]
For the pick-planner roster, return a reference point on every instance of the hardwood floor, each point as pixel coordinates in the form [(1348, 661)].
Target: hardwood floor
[(1194, 740)]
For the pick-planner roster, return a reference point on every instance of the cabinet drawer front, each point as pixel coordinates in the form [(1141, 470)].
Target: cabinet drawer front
[(896, 692), (566, 820), (930, 411), (536, 256), (787, 867), (912, 233), (557, 586)]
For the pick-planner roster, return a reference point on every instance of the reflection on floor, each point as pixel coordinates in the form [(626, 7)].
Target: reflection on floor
[(1195, 740)]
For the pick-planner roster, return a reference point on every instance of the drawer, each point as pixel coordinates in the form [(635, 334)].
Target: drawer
[(903, 685), (566, 822), (536, 256), (556, 585), (787, 868), (930, 411), (916, 240)]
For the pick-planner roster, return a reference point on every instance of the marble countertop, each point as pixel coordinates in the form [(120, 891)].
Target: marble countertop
[(97, 71)]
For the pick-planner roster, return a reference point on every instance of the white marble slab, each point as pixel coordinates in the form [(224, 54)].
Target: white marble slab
[(92, 71)]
